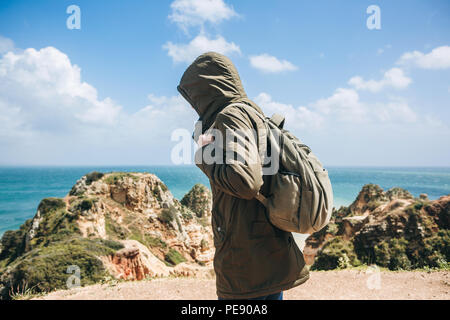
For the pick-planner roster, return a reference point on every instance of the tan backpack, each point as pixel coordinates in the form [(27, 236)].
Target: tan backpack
[(301, 196)]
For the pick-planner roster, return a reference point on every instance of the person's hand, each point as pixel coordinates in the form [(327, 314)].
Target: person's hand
[(204, 139)]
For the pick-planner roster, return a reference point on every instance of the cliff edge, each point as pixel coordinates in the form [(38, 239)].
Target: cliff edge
[(117, 225)]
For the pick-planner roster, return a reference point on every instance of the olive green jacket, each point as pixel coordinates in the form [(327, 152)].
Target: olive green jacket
[(252, 258)]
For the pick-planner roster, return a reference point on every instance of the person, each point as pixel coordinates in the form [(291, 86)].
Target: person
[(253, 259)]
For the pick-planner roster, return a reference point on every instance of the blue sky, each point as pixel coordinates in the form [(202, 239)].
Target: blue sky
[(106, 94)]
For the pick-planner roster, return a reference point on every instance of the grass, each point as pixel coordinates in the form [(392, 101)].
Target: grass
[(114, 230), (147, 240), (55, 224), (24, 293), (45, 268), (174, 257), (114, 178), (154, 242)]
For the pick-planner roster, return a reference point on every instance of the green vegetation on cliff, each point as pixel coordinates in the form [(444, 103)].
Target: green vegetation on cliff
[(198, 199), (390, 229), (46, 268), (336, 254), (174, 257), (38, 254), (85, 230), (93, 176), (114, 178)]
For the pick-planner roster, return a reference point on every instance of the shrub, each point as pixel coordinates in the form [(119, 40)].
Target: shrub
[(86, 204), (114, 178), (382, 254), (436, 249), (13, 243), (168, 214), (93, 176), (393, 254), (198, 199), (398, 193), (204, 244), (337, 253), (50, 205), (45, 268), (56, 223), (174, 257)]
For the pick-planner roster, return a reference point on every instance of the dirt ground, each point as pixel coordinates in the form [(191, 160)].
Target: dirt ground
[(335, 285)]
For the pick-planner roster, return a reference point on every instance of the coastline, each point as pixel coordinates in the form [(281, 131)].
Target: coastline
[(22, 187)]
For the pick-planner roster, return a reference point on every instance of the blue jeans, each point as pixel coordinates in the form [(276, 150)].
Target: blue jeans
[(273, 296)]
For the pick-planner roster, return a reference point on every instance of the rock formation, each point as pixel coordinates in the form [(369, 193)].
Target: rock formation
[(124, 225), (199, 200), (391, 229)]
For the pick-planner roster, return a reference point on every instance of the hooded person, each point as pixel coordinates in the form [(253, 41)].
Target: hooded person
[(253, 258)]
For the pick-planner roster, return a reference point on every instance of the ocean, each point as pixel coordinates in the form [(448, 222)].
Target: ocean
[(22, 188)]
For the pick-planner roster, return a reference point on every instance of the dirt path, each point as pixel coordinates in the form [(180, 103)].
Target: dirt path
[(348, 284)]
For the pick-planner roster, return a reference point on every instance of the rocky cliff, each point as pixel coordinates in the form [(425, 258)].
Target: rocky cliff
[(129, 226), (391, 229), (121, 225)]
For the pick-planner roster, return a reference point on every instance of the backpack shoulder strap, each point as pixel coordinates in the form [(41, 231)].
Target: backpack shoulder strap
[(261, 128), (262, 131), (278, 120)]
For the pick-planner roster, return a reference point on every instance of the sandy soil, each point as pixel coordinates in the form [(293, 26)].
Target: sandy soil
[(347, 284)]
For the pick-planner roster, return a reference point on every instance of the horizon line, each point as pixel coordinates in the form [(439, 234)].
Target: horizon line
[(193, 165)]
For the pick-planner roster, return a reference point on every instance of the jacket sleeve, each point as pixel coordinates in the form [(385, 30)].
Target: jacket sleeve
[(239, 172)]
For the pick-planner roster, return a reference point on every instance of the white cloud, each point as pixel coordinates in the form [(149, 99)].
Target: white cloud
[(438, 58), (394, 78), (188, 13), (162, 115), (44, 82), (395, 111), (344, 104), (271, 64), (49, 115), (6, 45), (300, 117), (200, 44)]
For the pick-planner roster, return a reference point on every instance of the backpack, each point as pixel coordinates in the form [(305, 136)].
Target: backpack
[(301, 197)]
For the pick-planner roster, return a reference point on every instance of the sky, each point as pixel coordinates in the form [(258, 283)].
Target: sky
[(360, 87)]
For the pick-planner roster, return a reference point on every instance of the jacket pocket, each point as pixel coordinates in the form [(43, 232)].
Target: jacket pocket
[(218, 227), (261, 229)]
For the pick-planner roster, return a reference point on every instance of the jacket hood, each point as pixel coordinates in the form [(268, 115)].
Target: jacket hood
[(211, 83)]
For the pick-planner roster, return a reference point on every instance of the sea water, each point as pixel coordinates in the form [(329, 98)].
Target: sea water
[(22, 188)]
